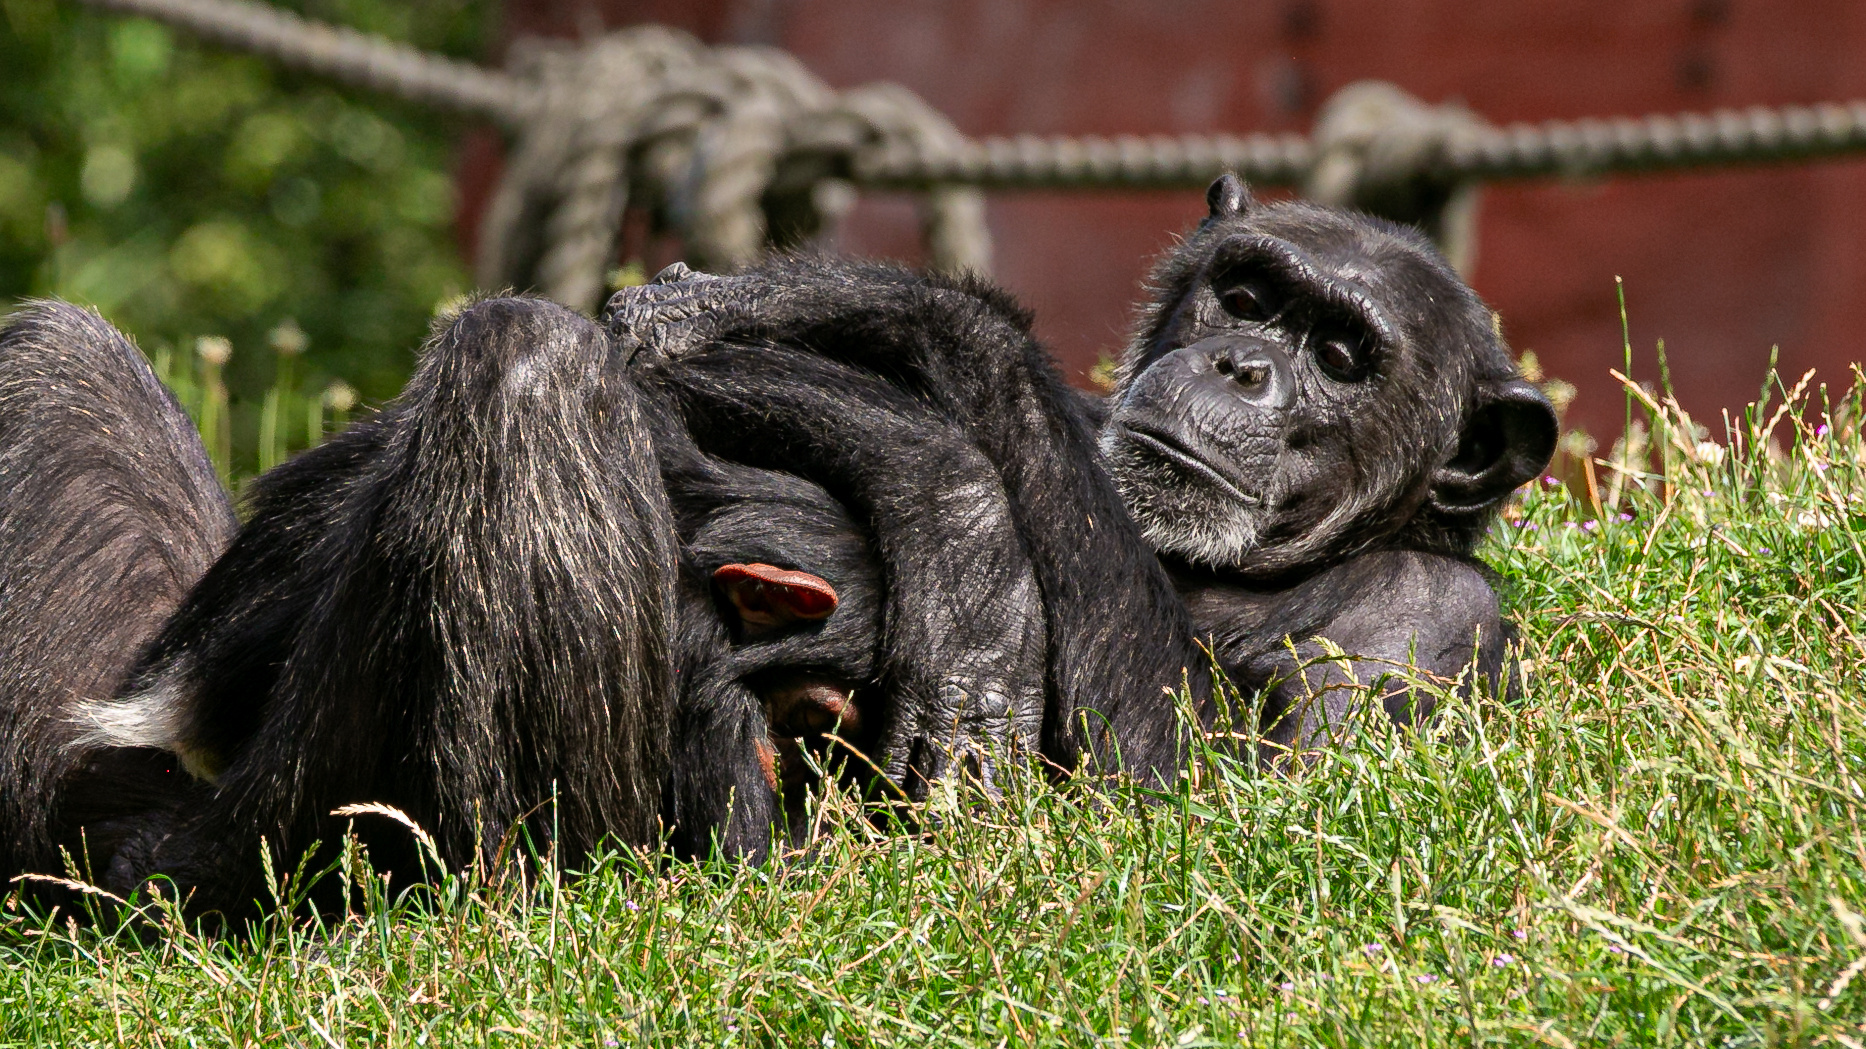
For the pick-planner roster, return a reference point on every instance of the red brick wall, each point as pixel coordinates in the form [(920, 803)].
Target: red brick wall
[(1719, 264)]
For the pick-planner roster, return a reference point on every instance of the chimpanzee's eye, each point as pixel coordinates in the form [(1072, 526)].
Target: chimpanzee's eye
[(1249, 301), (1342, 354)]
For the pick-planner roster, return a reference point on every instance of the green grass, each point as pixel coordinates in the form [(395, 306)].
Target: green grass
[(1662, 844)]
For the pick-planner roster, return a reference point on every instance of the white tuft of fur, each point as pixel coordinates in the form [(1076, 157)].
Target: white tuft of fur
[(158, 717)]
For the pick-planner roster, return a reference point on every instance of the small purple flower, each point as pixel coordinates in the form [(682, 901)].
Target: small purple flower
[(733, 1028), (1589, 526), (1530, 525), (1626, 517), (1550, 480), (630, 906), (1614, 948), (1765, 550), (611, 1041), (1370, 949), (1202, 1001), (1286, 986), (1519, 934), (1426, 978), (1503, 960), (1821, 430)]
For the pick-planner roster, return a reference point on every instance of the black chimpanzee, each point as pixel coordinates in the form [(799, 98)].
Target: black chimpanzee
[(471, 604), (1313, 426)]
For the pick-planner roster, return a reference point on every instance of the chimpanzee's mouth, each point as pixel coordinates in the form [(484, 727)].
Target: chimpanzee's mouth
[(1175, 449)]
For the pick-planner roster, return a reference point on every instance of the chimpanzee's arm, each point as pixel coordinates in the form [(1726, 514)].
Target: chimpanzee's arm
[(1392, 613), (1119, 635), (963, 658)]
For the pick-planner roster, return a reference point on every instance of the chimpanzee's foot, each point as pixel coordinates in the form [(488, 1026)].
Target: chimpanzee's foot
[(675, 313)]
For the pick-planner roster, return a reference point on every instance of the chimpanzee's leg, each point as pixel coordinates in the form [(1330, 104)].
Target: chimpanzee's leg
[(473, 626), (1119, 638), (1393, 614), (109, 511)]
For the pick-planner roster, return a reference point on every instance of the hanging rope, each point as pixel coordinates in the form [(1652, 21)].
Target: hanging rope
[(735, 148)]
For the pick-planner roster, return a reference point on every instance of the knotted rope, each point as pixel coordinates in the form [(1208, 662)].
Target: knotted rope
[(733, 148), (736, 148)]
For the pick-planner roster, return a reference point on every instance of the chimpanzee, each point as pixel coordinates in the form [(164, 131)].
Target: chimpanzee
[(1313, 426), (1315, 423), (460, 607), (473, 604)]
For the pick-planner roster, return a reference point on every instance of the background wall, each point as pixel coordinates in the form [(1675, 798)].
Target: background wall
[(1720, 265)]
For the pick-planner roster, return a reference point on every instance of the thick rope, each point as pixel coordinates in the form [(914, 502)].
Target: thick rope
[(1557, 147), (734, 148), (342, 54), (1382, 151)]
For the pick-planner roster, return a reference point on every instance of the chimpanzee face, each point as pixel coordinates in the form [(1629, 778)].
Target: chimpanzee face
[(1309, 384)]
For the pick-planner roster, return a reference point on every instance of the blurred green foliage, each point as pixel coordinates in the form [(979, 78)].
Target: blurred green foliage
[(185, 191)]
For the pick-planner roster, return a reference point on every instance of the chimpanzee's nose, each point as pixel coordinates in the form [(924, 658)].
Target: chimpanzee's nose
[(1259, 371)]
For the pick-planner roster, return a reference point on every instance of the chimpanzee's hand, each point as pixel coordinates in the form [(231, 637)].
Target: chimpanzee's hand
[(966, 731), (676, 313)]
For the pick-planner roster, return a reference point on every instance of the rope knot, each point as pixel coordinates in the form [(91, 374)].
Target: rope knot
[(733, 150), (1384, 152)]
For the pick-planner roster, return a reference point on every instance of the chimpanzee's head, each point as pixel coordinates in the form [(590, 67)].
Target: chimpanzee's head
[(1309, 383)]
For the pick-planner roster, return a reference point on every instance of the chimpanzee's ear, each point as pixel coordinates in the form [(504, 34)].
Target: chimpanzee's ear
[(1227, 197), (1506, 442), (767, 597)]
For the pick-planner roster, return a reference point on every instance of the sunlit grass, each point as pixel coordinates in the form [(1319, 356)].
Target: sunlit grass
[(1660, 844)]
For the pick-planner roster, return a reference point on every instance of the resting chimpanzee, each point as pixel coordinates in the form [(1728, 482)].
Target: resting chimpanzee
[(1313, 426), (109, 511), (459, 606), (1315, 423)]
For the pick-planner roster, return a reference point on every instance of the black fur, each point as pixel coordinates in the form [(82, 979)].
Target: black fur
[(1317, 455), (109, 511), (798, 365), (720, 793), (1315, 423), (458, 608)]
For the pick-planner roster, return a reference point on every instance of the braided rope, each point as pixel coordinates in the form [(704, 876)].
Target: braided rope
[(340, 53), (1578, 147), (1587, 147), (733, 147)]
